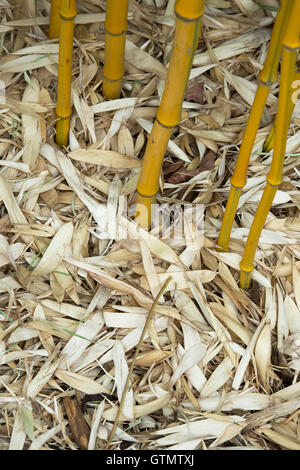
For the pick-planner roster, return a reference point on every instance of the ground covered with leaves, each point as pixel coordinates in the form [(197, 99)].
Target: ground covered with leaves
[(218, 367)]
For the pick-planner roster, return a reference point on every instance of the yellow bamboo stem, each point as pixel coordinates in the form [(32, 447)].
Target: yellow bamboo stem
[(115, 37), (188, 15), (63, 110), (291, 43), (269, 143), (54, 25), (267, 77)]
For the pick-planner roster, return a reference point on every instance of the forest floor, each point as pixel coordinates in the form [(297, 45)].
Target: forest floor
[(218, 367)]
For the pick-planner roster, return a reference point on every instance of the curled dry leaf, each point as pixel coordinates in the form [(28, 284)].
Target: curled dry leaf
[(263, 354), (139, 410), (55, 251), (79, 382), (31, 126), (195, 93), (182, 175), (105, 158)]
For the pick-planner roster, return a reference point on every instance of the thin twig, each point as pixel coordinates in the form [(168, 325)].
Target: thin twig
[(126, 387)]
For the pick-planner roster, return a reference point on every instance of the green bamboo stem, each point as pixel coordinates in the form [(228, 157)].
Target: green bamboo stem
[(115, 37), (188, 15), (267, 77), (63, 110), (291, 43), (54, 25)]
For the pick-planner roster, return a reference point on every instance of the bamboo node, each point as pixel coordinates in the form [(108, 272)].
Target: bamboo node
[(189, 11), (164, 125), (67, 18), (123, 33), (188, 20), (146, 197), (64, 118), (274, 185), (112, 79)]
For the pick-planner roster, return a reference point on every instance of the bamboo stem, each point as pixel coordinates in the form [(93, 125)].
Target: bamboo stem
[(188, 15), (291, 43), (63, 110), (266, 78), (115, 37), (54, 24)]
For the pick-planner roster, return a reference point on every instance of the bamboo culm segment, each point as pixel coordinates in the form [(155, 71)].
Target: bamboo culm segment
[(188, 15), (238, 178), (274, 178), (115, 37), (63, 109), (54, 25), (267, 77)]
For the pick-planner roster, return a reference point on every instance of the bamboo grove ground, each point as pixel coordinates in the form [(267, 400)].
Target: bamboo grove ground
[(218, 367)]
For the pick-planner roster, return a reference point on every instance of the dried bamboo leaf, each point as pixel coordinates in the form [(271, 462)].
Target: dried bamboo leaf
[(139, 410), (83, 337), (292, 315), (190, 358), (18, 436), (296, 283), (121, 373), (281, 439), (263, 353), (180, 279), (42, 439), (31, 126), (79, 382), (78, 424), (55, 251), (106, 158), (220, 375), (239, 45), (240, 371), (43, 375), (231, 323), (142, 60), (149, 358)]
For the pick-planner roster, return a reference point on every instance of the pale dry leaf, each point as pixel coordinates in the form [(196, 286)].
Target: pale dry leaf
[(105, 158), (244, 361), (80, 382), (32, 135), (292, 315), (121, 373), (281, 439), (142, 60), (262, 354), (139, 410), (296, 283), (18, 435), (218, 378), (180, 280), (85, 333), (44, 375), (190, 358), (55, 251)]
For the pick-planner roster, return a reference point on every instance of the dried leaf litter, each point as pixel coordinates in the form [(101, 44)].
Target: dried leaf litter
[(218, 367)]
